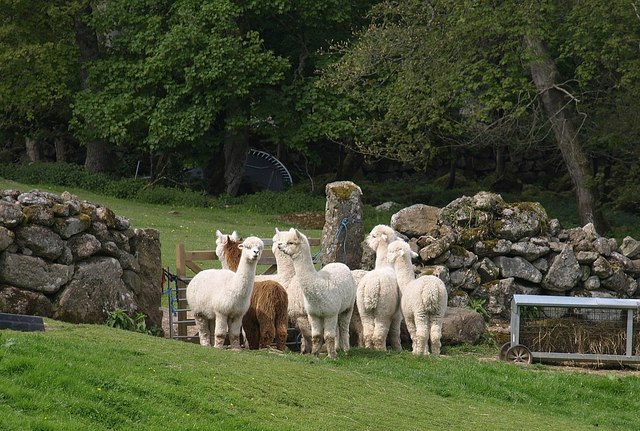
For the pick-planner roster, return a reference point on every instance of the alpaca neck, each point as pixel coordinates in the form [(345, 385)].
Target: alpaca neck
[(303, 264), (404, 272), (246, 273), (381, 255), (286, 270)]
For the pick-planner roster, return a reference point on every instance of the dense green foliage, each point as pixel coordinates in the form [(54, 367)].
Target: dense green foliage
[(95, 377), (171, 68), (433, 76), (39, 68)]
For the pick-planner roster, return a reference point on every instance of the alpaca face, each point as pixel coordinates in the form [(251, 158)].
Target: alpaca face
[(380, 234), (252, 248), (289, 242), (397, 250)]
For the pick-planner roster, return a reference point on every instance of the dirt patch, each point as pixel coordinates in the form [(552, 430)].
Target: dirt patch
[(304, 220)]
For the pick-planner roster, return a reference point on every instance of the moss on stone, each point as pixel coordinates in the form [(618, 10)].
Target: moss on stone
[(344, 190)]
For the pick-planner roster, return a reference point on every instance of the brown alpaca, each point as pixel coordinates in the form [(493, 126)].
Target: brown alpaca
[(267, 317)]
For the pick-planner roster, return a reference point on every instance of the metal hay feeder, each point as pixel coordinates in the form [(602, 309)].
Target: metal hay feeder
[(563, 328)]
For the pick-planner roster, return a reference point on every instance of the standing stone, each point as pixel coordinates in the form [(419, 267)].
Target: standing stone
[(343, 232)]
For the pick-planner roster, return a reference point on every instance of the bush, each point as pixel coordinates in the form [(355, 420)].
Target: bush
[(63, 174)]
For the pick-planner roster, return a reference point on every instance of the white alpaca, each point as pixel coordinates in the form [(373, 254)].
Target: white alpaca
[(329, 294), (219, 298), (378, 297), (297, 313), (423, 302)]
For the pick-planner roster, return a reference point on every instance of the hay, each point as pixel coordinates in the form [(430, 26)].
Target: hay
[(576, 335)]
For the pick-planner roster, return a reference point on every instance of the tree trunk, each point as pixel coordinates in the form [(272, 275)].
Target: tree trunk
[(349, 166), (33, 149), (61, 149), (546, 78), (99, 157), (236, 148)]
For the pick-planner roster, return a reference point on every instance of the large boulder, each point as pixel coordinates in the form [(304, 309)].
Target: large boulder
[(462, 326), (33, 273), (96, 289), (20, 301), (416, 220), (564, 272)]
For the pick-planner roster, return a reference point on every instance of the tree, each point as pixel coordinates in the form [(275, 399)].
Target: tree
[(38, 65), (175, 77), (429, 77)]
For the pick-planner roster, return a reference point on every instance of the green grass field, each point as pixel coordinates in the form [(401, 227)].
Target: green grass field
[(88, 377)]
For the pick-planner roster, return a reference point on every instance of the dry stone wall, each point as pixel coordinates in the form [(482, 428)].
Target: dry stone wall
[(485, 248), (74, 260)]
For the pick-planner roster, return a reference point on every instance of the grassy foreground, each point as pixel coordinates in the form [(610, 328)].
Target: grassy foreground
[(89, 377)]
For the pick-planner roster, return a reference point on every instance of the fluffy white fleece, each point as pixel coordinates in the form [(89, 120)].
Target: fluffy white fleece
[(423, 303), (219, 298), (329, 294)]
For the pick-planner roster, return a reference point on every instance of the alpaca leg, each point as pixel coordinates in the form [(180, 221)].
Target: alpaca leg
[(394, 331), (330, 329), (411, 327), (221, 329), (282, 331), (202, 325), (304, 326), (252, 335), (368, 325), (355, 326), (267, 332), (317, 332), (380, 334), (435, 336), (420, 344), (343, 330), (235, 326)]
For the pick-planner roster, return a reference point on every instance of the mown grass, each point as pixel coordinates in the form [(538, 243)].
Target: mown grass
[(94, 378)]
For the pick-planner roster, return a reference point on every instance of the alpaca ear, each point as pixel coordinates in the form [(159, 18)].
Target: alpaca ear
[(277, 231), (234, 236), (218, 233)]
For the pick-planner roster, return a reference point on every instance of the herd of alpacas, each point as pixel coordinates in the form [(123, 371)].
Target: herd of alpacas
[(319, 303)]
